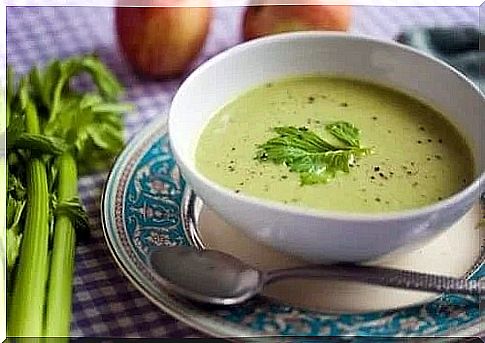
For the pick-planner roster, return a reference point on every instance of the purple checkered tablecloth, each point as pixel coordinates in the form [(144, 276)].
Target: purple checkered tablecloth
[(105, 303)]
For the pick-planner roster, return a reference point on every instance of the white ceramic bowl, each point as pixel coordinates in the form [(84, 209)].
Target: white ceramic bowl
[(326, 236)]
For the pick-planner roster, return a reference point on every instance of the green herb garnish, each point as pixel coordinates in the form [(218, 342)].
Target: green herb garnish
[(314, 158)]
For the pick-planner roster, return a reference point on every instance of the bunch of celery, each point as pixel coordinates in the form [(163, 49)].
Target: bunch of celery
[(52, 130)]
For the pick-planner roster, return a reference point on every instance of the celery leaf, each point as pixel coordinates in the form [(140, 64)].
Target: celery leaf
[(314, 158)]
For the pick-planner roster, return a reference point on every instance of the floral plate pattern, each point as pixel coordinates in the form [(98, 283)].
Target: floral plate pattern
[(143, 205)]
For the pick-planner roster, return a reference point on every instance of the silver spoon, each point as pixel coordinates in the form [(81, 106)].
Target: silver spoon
[(214, 277)]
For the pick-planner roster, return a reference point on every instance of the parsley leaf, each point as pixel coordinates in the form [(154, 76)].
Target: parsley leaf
[(314, 158), (346, 132)]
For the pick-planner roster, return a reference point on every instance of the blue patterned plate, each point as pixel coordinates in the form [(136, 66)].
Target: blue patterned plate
[(142, 208)]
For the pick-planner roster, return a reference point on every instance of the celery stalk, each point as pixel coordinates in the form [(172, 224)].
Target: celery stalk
[(89, 126), (3, 248), (27, 303), (59, 290)]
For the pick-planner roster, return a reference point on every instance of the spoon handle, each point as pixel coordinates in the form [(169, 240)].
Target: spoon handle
[(383, 277)]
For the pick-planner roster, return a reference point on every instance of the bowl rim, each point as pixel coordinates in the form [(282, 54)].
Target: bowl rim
[(469, 190)]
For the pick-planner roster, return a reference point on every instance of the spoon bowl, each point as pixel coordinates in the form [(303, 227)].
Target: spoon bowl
[(207, 276)]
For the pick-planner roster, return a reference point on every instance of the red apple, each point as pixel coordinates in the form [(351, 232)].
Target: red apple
[(162, 41), (264, 20)]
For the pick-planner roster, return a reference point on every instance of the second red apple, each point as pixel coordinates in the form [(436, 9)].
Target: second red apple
[(270, 19)]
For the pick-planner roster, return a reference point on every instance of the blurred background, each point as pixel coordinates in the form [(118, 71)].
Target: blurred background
[(37, 34), (105, 303)]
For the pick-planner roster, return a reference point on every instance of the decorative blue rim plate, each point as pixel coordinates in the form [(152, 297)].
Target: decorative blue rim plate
[(142, 207)]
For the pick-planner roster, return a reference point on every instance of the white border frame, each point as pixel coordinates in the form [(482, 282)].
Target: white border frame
[(140, 3)]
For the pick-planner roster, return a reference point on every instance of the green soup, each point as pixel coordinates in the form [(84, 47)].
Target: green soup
[(419, 157)]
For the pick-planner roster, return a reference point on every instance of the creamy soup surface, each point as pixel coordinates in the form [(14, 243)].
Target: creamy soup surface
[(418, 157)]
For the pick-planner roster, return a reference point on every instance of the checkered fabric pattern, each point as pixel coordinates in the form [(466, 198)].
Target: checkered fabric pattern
[(105, 303)]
